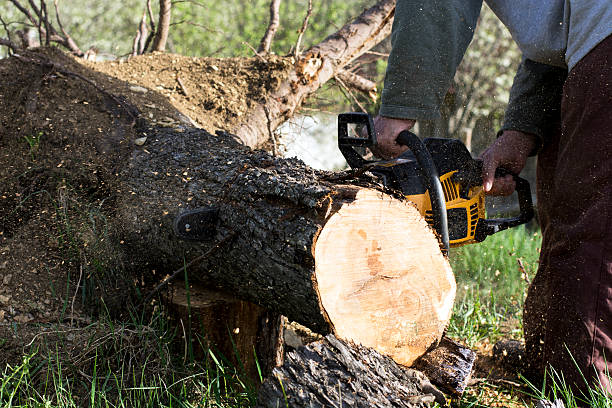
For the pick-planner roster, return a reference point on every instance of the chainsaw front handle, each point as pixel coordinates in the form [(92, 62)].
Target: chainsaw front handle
[(347, 143)]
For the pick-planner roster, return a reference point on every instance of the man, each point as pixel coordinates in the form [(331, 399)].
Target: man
[(566, 121)]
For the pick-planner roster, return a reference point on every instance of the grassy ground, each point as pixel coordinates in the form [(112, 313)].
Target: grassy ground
[(492, 277), (136, 365)]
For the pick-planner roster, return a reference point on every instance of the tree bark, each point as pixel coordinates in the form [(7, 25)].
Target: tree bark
[(313, 68), (448, 366), (248, 336), (332, 373)]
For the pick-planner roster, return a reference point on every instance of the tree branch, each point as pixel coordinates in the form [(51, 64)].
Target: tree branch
[(352, 80), (312, 69), (343, 88), (266, 41), (47, 33), (161, 35), (140, 40), (302, 29), (45, 17), (70, 43), (8, 43)]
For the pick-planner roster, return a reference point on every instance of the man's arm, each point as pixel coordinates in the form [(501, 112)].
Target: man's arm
[(428, 40), (535, 100), (532, 116)]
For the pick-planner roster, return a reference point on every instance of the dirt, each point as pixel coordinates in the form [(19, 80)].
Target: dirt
[(213, 93), (53, 211)]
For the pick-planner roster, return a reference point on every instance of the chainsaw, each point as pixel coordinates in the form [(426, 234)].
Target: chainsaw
[(439, 176)]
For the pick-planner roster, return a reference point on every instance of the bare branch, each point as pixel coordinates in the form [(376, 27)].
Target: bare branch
[(25, 11), (46, 31), (346, 89), (303, 28), (254, 51), (72, 45), (38, 23), (357, 82), (195, 3), (266, 41), (161, 35), (203, 27), (151, 19), (45, 20), (140, 39), (315, 67), (8, 43)]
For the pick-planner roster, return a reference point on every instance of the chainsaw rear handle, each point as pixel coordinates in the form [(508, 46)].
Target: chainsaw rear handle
[(347, 144), (431, 181), (488, 227)]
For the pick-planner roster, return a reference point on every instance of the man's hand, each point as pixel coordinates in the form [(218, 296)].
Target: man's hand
[(387, 130), (509, 151)]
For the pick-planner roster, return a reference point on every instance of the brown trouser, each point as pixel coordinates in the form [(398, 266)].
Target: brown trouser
[(568, 310)]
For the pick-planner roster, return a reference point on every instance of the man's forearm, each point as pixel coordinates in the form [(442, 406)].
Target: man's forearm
[(535, 100), (428, 41)]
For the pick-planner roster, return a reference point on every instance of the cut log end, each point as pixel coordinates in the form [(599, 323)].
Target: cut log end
[(382, 279)]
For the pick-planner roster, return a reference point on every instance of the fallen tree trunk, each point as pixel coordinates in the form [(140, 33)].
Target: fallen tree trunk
[(335, 373), (337, 258)]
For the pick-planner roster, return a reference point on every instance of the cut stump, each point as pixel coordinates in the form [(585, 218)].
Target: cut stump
[(381, 277), (245, 334)]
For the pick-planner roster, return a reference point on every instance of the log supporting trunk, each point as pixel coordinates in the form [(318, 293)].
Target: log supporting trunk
[(448, 366), (334, 373), (336, 258), (245, 334)]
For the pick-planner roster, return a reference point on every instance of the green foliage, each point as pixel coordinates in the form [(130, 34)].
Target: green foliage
[(33, 142), (199, 27), (554, 387)]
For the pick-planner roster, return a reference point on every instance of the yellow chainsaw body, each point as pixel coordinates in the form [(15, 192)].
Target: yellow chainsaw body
[(463, 213)]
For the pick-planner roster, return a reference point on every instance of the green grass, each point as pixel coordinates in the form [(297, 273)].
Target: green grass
[(491, 285), (121, 365)]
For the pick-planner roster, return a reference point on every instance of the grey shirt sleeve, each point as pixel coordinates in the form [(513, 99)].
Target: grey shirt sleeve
[(428, 39), (535, 100)]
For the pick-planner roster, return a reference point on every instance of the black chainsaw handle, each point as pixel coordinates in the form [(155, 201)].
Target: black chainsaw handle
[(488, 227), (347, 144), (431, 181)]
